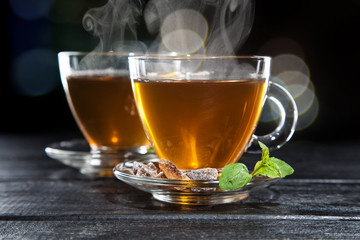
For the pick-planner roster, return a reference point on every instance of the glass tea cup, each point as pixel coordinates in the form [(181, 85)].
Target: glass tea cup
[(98, 91), (202, 112)]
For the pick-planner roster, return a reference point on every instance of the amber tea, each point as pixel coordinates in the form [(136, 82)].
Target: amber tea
[(105, 110), (199, 124)]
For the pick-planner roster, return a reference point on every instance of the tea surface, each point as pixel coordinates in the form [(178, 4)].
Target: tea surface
[(105, 110), (199, 124)]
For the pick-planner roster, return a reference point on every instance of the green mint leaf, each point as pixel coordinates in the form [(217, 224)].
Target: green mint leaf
[(268, 169), (283, 168), (234, 176), (273, 168), (265, 151), (257, 167)]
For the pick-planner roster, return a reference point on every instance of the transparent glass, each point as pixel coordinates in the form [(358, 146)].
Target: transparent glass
[(99, 93), (189, 192), (203, 111)]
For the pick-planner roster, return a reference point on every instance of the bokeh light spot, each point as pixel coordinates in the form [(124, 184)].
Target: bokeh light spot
[(293, 73), (288, 62), (174, 40), (30, 10), (304, 101), (35, 72), (184, 31), (295, 81), (308, 117)]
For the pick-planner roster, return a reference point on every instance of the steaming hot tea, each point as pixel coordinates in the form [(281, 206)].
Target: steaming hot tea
[(105, 110), (199, 124)]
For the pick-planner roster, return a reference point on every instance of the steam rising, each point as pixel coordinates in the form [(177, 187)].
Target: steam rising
[(115, 25), (199, 27), (188, 27), (234, 26)]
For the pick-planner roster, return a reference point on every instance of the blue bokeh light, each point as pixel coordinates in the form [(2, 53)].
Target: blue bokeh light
[(35, 72), (31, 9)]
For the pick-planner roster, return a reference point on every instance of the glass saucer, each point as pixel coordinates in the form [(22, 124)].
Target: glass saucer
[(76, 153), (191, 192)]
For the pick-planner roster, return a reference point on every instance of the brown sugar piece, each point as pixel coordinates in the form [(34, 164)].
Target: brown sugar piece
[(210, 174), (160, 175), (145, 169), (171, 171)]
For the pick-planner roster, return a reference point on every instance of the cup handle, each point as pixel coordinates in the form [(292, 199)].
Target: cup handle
[(287, 124)]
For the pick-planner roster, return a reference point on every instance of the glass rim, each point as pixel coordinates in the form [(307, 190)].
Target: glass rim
[(142, 56), (187, 57), (95, 53)]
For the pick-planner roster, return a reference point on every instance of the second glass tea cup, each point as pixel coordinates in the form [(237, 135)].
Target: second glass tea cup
[(98, 90)]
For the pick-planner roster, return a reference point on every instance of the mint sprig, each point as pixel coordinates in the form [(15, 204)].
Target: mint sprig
[(236, 175)]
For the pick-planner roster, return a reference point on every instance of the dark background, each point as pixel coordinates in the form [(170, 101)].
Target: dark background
[(325, 34)]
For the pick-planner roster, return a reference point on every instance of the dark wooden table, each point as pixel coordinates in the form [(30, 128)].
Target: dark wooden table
[(42, 199)]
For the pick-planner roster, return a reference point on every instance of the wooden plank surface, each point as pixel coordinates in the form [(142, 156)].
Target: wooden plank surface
[(112, 199), (42, 199), (306, 228)]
